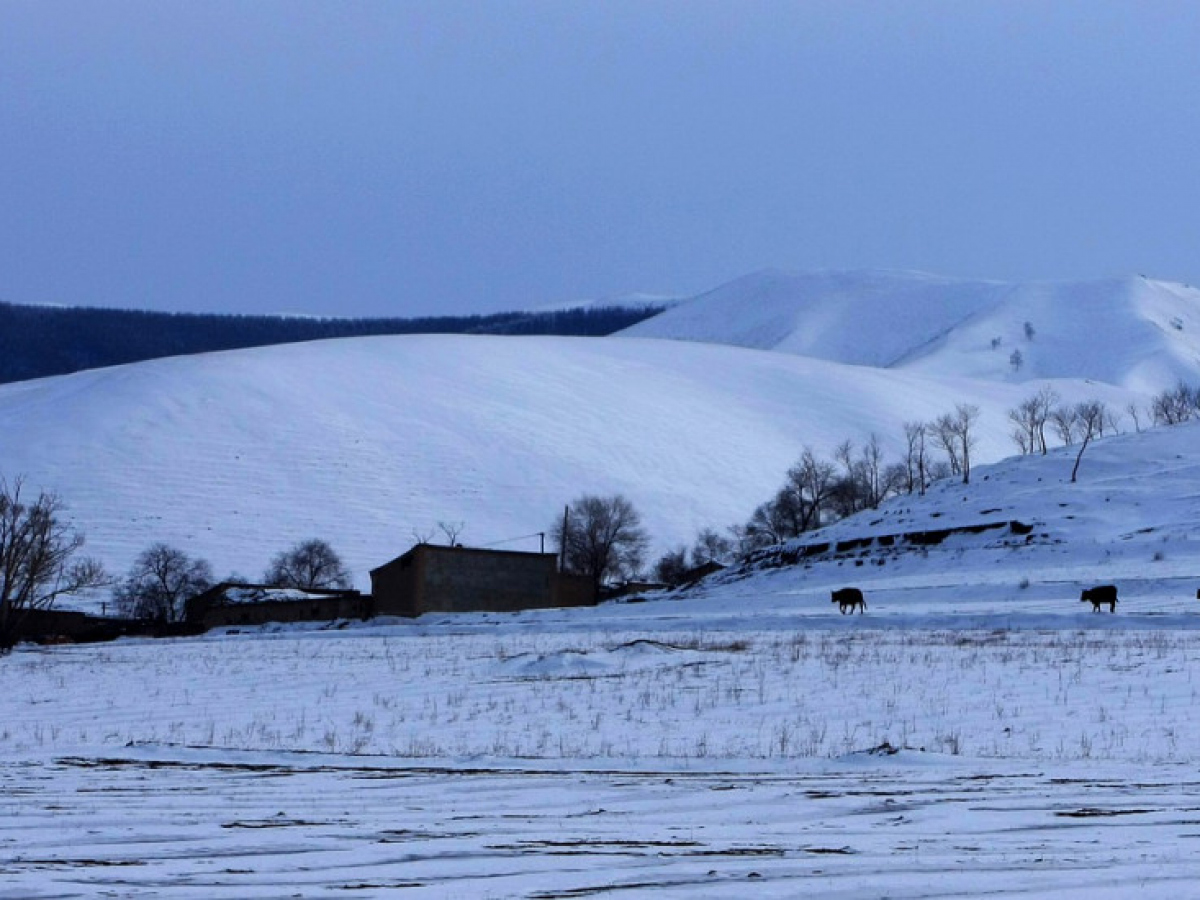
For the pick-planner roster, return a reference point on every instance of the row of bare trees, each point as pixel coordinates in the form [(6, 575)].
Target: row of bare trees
[(1077, 424), (41, 561), (1071, 423), (818, 491), (1175, 405), (163, 578)]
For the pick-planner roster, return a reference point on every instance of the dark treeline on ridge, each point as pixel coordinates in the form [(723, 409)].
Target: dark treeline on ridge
[(37, 341)]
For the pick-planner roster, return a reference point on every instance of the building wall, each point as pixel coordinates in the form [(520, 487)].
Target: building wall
[(463, 580), (574, 590), (209, 610), (394, 585), (285, 611), (431, 578)]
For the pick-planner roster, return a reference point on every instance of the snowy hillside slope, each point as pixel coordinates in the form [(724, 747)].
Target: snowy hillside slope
[(1135, 332), (367, 442), (868, 317), (1132, 518)]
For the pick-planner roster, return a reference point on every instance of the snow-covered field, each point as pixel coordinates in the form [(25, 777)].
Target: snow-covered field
[(978, 732), (624, 751)]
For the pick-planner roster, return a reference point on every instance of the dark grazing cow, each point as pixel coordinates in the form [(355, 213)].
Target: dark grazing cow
[(848, 598), (1098, 596)]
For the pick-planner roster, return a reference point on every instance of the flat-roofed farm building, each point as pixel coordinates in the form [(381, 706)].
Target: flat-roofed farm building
[(433, 578)]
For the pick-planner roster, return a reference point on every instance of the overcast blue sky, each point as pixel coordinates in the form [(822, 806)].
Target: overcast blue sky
[(413, 158)]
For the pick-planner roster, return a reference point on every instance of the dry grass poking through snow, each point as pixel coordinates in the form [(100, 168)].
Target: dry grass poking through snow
[(762, 696)]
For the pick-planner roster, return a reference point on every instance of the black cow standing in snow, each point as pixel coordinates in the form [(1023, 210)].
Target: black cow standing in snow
[(848, 598), (1100, 595)]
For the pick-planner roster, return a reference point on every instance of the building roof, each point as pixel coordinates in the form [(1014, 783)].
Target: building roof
[(229, 593), (458, 548)]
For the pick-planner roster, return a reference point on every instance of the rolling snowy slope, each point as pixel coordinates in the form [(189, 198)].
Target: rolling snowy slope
[(1132, 518), (1135, 332), (368, 442)]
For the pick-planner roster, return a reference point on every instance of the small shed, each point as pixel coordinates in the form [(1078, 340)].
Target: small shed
[(235, 603), (435, 578)]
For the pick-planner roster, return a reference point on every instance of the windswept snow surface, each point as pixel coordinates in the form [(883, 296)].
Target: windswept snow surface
[(1134, 332), (369, 442)]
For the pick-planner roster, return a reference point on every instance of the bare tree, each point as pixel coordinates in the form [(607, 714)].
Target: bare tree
[(38, 564), (1024, 419), (1043, 403), (309, 564), (844, 453), (1111, 422), (1020, 439), (744, 541), (710, 546), (1135, 414), (1175, 405), (942, 432), (915, 460), (158, 584), (874, 473), (672, 566), (965, 417), (812, 481), (1016, 360), (675, 566), (422, 535), (856, 489), (1065, 419), (452, 530), (1029, 419), (1090, 415), (1029, 332), (895, 479), (602, 537), (779, 519)]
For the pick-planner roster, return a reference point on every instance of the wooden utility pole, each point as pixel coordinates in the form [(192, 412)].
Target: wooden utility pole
[(562, 544)]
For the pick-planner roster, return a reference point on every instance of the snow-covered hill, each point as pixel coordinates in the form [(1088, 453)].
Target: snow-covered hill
[(367, 442), (1132, 518), (1135, 332)]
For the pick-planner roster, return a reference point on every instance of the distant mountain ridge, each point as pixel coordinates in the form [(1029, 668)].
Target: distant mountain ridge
[(1134, 332), (39, 341)]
